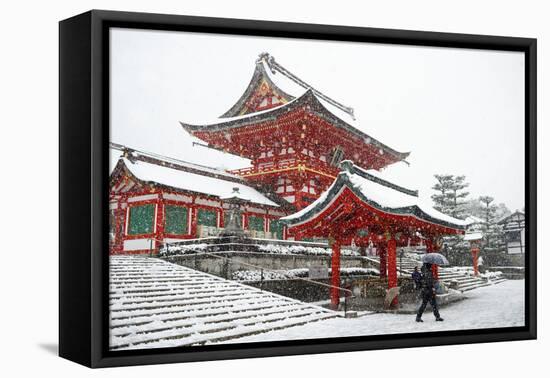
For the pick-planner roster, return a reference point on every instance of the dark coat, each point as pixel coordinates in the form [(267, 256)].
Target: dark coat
[(428, 282)]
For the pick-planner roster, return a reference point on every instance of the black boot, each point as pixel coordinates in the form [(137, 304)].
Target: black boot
[(440, 319), (419, 320)]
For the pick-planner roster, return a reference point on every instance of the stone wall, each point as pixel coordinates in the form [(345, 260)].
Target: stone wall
[(228, 262)]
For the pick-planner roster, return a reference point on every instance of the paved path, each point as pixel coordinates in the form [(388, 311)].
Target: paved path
[(500, 305)]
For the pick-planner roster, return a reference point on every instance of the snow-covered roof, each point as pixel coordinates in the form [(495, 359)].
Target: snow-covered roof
[(380, 194), (118, 150), (238, 120), (295, 90), (473, 236), (259, 76), (235, 195), (295, 95), (308, 98), (193, 182), (472, 219), (518, 214)]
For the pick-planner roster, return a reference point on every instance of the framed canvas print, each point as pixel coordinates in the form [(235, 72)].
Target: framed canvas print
[(234, 188)]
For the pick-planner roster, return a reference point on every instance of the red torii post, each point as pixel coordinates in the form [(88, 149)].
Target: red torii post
[(392, 266), (475, 242), (382, 254), (336, 244), (335, 274), (475, 259)]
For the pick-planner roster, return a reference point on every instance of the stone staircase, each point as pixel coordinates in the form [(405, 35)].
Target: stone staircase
[(459, 280), (155, 304)]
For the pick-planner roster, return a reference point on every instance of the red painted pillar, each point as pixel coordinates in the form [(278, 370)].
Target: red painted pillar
[(194, 212), (120, 220), (392, 266), (382, 253), (221, 219), (475, 257), (159, 232), (123, 219), (335, 276)]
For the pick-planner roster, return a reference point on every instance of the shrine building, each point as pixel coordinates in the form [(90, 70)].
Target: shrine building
[(362, 208), (295, 137), (155, 201)]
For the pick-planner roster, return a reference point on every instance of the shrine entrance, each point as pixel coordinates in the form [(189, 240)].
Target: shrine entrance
[(364, 209)]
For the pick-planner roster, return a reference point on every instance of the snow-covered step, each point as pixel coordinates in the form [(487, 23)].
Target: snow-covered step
[(474, 286), (254, 310), (158, 304), (447, 275), (206, 329), (222, 334), (193, 311)]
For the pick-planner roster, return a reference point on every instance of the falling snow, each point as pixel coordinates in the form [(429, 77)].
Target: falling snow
[(495, 306)]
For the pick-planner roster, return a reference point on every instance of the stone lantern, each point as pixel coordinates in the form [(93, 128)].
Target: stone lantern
[(233, 221)]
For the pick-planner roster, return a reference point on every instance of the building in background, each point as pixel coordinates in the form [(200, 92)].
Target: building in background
[(514, 229)]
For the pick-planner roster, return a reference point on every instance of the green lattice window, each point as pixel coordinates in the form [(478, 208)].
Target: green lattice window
[(141, 219), (176, 220), (207, 218), (255, 223), (276, 227)]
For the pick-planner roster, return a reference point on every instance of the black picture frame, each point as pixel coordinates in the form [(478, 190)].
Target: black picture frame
[(83, 180)]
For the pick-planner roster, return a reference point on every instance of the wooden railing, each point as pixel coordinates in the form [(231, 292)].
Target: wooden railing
[(286, 166)]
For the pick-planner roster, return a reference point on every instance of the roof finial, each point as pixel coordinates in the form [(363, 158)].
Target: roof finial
[(346, 165), (274, 66), (263, 57)]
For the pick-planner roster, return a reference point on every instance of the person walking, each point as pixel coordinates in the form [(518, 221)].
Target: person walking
[(428, 293), (417, 278)]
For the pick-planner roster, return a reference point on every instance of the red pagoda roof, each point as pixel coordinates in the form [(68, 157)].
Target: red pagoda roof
[(264, 106), (226, 133), (260, 88), (359, 196)]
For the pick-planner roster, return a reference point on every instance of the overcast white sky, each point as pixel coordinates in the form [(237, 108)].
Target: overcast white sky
[(457, 111)]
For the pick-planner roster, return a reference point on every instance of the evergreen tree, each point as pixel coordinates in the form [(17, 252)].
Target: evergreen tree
[(450, 199), (450, 195), (493, 233)]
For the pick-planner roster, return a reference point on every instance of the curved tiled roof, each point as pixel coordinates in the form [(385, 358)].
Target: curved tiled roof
[(377, 193)]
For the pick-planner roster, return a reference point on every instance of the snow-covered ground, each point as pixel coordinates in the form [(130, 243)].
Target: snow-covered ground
[(493, 306), (156, 304)]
